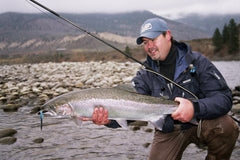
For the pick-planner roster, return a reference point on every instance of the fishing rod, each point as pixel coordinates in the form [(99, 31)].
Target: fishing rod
[(145, 67)]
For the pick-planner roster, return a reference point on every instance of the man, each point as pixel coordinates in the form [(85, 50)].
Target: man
[(195, 73)]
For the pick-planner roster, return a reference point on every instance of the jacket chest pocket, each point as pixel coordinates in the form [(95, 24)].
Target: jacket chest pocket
[(190, 83), (159, 88)]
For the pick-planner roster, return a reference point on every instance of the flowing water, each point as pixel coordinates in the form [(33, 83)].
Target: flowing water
[(65, 140)]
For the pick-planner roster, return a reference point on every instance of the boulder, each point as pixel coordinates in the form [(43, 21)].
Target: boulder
[(35, 110), (7, 132), (236, 108), (10, 107), (38, 140), (237, 88), (8, 140)]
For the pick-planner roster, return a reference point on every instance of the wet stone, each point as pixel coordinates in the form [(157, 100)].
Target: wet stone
[(236, 108), (135, 128), (7, 132), (35, 110), (237, 88), (3, 100), (38, 140), (139, 123), (8, 140), (149, 130), (10, 107), (146, 145)]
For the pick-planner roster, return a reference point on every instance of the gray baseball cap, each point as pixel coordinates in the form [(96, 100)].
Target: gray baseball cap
[(152, 28)]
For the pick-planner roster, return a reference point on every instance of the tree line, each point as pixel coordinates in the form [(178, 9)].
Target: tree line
[(229, 38)]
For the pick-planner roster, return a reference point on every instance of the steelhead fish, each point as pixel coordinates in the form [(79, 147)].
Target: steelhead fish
[(122, 104)]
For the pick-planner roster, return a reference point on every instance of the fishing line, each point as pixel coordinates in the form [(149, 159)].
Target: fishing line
[(115, 48)]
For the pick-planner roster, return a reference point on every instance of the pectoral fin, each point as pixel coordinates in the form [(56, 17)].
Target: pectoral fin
[(122, 123), (158, 121)]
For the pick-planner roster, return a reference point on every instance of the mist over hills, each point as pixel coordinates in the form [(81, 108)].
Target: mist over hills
[(20, 32), (208, 23)]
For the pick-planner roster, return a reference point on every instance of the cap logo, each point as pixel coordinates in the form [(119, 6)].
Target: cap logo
[(146, 27)]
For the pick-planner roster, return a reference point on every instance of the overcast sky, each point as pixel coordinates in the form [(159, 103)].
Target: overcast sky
[(170, 8)]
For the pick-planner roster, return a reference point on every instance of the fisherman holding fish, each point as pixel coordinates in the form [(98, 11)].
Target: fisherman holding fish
[(182, 75), (176, 61)]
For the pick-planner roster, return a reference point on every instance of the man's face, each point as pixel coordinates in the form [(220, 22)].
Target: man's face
[(159, 47)]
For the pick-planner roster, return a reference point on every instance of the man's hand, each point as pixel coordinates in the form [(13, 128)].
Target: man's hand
[(99, 117), (185, 110)]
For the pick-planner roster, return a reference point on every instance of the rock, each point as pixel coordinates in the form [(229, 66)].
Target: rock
[(135, 128), (43, 98), (89, 81), (78, 85), (35, 110), (3, 100), (236, 98), (14, 96), (33, 82), (139, 123), (49, 93), (25, 90), (235, 93), (236, 108), (237, 88), (36, 90), (38, 140), (61, 90), (10, 107), (7, 132), (8, 140), (149, 130), (146, 145)]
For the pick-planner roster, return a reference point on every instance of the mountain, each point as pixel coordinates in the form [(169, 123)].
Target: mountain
[(20, 32), (208, 23)]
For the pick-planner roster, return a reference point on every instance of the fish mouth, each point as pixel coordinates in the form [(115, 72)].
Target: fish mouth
[(48, 110), (61, 111), (48, 113)]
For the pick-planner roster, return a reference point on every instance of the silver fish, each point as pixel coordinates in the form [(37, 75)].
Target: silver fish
[(122, 105)]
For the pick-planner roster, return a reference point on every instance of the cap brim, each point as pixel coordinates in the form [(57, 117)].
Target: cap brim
[(150, 35)]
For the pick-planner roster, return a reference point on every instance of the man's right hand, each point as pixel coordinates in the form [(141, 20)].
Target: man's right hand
[(99, 116)]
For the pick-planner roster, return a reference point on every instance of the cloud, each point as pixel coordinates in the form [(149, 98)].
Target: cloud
[(203, 7), (173, 8)]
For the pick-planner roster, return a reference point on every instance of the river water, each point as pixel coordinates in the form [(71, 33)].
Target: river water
[(65, 140)]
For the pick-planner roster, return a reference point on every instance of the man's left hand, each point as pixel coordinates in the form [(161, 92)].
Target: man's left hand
[(185, 110)]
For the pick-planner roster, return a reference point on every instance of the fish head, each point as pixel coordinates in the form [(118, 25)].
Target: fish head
[(62, 110)]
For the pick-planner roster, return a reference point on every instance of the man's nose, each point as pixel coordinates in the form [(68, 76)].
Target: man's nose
[(150, 44)]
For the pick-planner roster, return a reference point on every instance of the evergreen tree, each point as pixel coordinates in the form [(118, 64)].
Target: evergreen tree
[(233, 44), (217, 40), (225, 34), (127, 50)]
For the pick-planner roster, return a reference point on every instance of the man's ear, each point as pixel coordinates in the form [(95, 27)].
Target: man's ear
[(168, 35)]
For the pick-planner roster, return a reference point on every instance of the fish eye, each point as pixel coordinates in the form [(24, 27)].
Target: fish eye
[(52, 107)]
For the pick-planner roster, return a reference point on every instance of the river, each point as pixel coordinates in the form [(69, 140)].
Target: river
[(63, 139)]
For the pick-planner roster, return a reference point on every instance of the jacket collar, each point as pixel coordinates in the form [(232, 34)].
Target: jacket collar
[(183, 59)]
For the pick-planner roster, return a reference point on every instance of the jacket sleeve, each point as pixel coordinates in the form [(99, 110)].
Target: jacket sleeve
[(216, 99), (140, 83)]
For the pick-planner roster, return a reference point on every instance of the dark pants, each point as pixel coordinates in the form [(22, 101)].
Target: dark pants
[(219, 135)]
